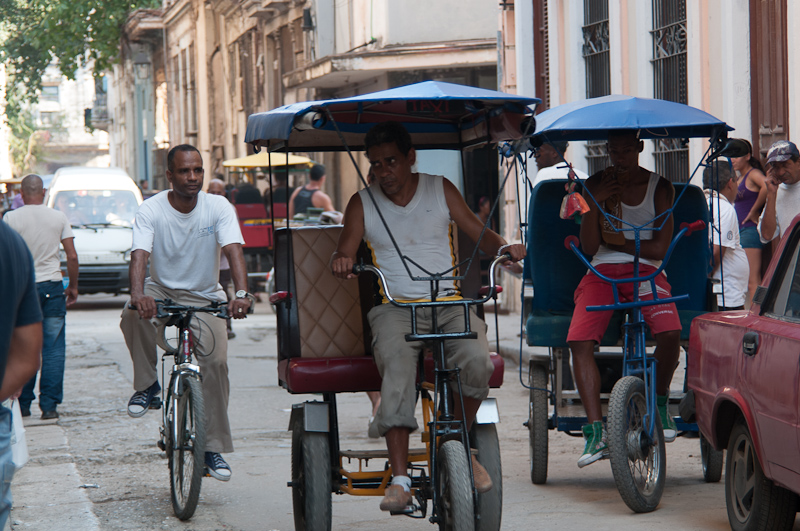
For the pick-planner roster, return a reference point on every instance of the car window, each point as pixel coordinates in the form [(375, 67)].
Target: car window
[(787, 300), (85, 207)]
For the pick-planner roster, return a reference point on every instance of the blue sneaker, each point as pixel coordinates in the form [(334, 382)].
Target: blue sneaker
[(141, 401), (216, 467)]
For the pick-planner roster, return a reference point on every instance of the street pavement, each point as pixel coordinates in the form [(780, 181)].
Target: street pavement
[(97, 469)]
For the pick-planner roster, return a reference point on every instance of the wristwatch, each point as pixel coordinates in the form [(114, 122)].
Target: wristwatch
[(242, 294)]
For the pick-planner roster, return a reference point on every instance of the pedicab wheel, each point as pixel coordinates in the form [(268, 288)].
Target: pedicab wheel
[(483, 438), (712, 461), (638, 463), (456, 510), (537, 423), (754, 502), (311, 480), (188, 448)]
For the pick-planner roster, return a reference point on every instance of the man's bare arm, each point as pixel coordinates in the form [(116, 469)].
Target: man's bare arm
[(323, 201), (237, 307), (467, 222), (769, 217), (350, 238), (24, 358), (72, 270), (146, 306)]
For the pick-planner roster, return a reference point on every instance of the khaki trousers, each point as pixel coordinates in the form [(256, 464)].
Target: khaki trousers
[(211, 348)]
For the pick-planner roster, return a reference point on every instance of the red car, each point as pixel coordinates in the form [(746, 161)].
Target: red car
[(744, 382)]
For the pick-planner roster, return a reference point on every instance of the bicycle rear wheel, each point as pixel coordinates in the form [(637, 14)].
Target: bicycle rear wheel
[(188, 440)]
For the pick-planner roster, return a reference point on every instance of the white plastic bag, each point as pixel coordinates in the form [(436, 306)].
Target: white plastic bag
[(19, 447)]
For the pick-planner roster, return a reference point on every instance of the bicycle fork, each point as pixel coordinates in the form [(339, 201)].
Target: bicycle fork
[(636, 362)]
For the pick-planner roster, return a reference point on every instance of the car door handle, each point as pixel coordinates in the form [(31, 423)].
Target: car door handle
[(750, 343)]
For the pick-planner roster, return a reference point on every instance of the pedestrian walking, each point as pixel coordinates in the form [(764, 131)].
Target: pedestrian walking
[(43, 230)]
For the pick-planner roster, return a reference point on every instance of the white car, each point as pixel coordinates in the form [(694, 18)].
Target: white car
[(101, 204)]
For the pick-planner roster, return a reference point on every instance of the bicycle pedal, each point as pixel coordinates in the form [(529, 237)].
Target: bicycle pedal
[(161, 446), (155, 403)]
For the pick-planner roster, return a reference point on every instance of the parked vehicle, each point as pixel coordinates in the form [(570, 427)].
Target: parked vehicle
[(100, 203), (745, 390)]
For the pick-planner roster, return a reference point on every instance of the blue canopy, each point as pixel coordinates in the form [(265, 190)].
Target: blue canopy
[(438, 115), (591, 119)]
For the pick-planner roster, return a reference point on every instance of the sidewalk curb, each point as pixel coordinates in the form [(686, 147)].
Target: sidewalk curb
[(48, 488)]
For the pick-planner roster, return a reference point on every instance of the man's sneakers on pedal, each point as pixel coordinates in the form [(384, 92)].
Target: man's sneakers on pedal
[(667, 422), (596, 445), (141, 401), (216, 467)]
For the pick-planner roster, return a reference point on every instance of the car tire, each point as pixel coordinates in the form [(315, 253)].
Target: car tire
[(754, 502)]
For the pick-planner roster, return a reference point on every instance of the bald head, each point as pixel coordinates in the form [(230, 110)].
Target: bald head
[(32, 189), (216, 187)]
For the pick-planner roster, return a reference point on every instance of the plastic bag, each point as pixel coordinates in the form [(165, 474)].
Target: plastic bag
[(19, 446), (573, 206)]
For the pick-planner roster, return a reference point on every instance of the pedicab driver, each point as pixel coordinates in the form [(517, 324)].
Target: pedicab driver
[(635, 195), (419, 209), (181, 231)]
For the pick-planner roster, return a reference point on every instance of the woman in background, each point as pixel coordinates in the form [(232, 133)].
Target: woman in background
[(750, 199)]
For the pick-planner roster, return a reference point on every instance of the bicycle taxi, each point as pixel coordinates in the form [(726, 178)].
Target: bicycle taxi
[(556, 266), (324, 344)]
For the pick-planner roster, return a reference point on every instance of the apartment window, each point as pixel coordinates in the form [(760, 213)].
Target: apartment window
[(598, 70), (50, 93), (670, 83), (191, 94)]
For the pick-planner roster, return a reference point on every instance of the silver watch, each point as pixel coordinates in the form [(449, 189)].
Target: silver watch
[(242, 294)]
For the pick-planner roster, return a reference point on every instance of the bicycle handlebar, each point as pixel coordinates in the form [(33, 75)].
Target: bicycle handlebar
[(694, 226), (168, 307), (359, 268)]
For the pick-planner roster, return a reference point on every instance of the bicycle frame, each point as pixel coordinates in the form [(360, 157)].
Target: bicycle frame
[(635, 361), (440, 420)]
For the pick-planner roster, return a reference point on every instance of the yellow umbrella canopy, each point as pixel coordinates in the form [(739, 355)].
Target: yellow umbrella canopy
[(261, 160)]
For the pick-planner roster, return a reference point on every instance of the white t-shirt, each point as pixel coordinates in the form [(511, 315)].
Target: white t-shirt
[(42, 228), (734, 262), (787, 206), (559, 171), (422, 232), (185, 248)]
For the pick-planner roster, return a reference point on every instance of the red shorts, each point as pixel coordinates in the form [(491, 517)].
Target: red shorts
[(592, 291)]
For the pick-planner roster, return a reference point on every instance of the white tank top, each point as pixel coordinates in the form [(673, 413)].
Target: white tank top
[(636, 215), (422, 231)]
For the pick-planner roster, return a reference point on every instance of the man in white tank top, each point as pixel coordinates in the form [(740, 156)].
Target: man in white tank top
[(642, 195), (418, 209)]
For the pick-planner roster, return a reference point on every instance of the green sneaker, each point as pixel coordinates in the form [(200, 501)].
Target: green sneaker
[(668, 425), (596, 447)]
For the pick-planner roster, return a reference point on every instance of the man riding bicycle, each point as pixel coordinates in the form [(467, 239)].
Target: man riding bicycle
[(637, 196), (419, 209), (180, 232)]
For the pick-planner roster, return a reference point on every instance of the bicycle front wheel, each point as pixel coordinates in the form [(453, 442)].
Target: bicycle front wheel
[(638, 462), (188, 441), (456, 510)]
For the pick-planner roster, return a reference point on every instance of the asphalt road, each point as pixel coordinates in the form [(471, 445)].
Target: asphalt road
[(96, 468)]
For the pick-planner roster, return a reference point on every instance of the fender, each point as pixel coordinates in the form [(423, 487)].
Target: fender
[(488, 412), (728, 395), (313, 415)]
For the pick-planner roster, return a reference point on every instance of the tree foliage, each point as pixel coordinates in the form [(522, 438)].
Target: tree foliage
[(74, 32)]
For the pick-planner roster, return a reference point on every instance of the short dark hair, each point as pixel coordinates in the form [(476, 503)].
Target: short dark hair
[(624, 133), (182, 148), (386, 132), (717, 175), (560, 145), (32, 184), (317, 172)]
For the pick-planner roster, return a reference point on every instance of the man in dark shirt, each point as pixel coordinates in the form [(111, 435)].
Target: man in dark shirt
[(20, 342), (311, 195)]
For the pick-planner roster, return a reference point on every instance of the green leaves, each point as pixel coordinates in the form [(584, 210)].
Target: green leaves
[(74, 32)]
